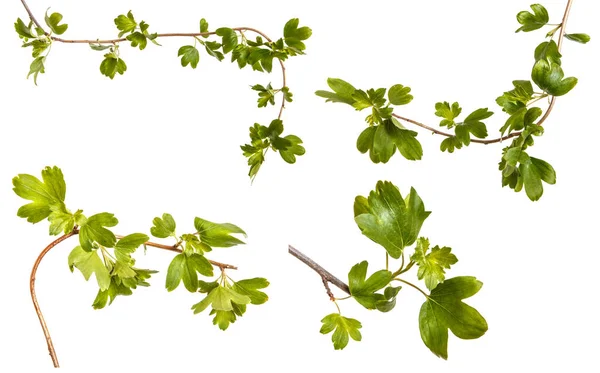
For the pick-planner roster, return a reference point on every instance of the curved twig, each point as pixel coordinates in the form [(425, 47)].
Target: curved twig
[(60, 239), (36, 305), (163, 35), (561, 29)]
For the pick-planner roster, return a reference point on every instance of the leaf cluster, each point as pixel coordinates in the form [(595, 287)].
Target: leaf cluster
[(385, 134), (264, 138), (394, 222), (472, 125)]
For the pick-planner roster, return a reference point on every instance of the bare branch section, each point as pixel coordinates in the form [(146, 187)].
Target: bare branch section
[(435, 131), (325, 275)]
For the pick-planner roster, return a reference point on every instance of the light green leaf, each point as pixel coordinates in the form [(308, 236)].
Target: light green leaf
[(111, 65), (37, 67), (189, 56), (344, 328), (88, 262), (53, 22), (94, 231), (449, 113), (229, 38), (46, 195), (432, 264), (399, 95), (218, 234), (534, 21), (363, 289), (125, 23), (250, 288), (580, 38), (23, 30), (221, 299), (163, 228)]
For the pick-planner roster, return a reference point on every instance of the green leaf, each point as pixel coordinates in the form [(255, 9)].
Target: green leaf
[(432, 264), (388, 304), (218, 234), (23, 30), (580, 38), (184, 267), (99, 47), (533, 172), (449, 113), (549, 77), (229, 38), (363, 289), (294, 149), (125, 23), (111, 65), (250, 288), (46, 195), (222, 299), (516, 99), (399, 95), (175, 272), (93, 230), (445, 310), (189, 56), (138, 39), (53, 22), (534, 21), (344, 328), (391, 221), (342, 91), (223, 318), (37, 67), (128, 244), (204, 26), (406, 141), (548, 51), (450, 143), (293, 36), (88, 262), (163, 228)]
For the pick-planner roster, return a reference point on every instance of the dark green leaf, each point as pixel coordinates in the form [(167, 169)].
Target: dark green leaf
[(392, 221), (445, 310), (229, 38), (534, 21), (580, 38), (293, 36), (549, 77), (344, 328), (363, 289), (548, 51), (294, 149)]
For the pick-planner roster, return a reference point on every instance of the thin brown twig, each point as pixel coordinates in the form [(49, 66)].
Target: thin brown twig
[(514, 134), (325, 275), (36, 305), (163, 35), (175, 248)]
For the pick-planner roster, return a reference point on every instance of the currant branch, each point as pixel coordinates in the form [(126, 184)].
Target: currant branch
[(386, 133), (394, 222), (109, 256), (257, 54)]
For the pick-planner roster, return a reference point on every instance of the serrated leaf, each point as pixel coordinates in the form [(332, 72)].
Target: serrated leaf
[(449, 113), (45, 195), (88, 262), (432, 264), (445, 310), (125, 23), (392, 221), (221, 298), (344, 328)]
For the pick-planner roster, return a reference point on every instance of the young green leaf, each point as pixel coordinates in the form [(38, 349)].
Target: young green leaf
[(221, 298), (363, 289), (229, 38), (432, 264), (580, 38), (292, 150), (342, 92), (189, 56), (88, 262), (53, 21), (449, 113), (533, 172), (450, 143), (534, 21), (388, 304), (344, 328), (548, 51), (163, 228), (37, 67), (445, 310), (93, 231), (223, 318), (138, 39), (45, 196), (218, 234), (184, 267), (250, 288), (23, 30), (388, 219), (112, 64), (204, 27), (127, 245), (125, 23), (399, 95), (294, 36)]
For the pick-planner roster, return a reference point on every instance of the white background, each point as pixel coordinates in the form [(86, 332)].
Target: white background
[(163, 138)]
